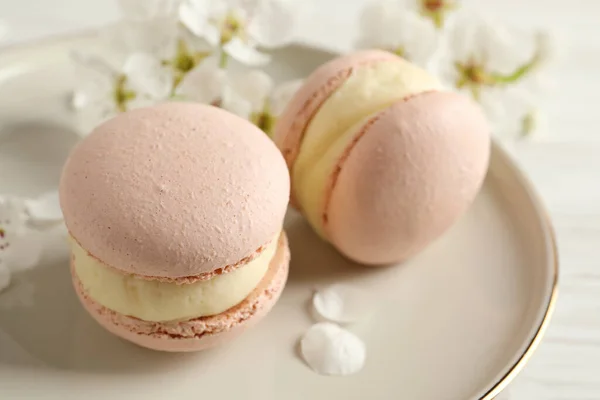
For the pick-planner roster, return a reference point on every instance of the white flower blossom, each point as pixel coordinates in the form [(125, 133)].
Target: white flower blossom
[(239, 29), (152, 27), (148, 76), (148, 26), (45, 208), (20, 246), (250, 94), (387, 25), (141, 81), (503, 70), (253, 95), (204, 84), (518, 112), (282, 94)]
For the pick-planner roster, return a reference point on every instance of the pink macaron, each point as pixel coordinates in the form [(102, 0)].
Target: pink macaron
[(176, 215), (382, 159)]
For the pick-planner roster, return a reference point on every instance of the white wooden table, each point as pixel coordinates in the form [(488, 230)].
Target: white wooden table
[(564, 164)]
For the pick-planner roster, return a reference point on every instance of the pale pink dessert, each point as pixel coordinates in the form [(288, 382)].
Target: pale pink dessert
[(176, 220), (382, 160)]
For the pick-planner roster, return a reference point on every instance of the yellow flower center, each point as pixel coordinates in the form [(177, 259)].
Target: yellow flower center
[(399, 51), (122, 95), (232, 26), (436, 10), (475, 75), (264, 119), (184, 61)]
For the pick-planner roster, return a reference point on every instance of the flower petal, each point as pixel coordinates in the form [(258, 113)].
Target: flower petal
[(499, 49), (45, 208), (93, 63), (379, 25), (13, 216), (525, 114), (493, 101), (25, 250), (386, 25), (271, 24), (203, 84), (253, 86), (96, 79), (146, 75), (545, 48), (282, 94), (341, 303), (462, 39), (245, 53), (376, 12), (504, 110), (197, 17), (488, 43), (331, 350), (421, 38), (236, 104), (78, 100)]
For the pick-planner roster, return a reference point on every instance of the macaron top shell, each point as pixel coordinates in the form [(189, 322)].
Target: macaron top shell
[(175, 190)]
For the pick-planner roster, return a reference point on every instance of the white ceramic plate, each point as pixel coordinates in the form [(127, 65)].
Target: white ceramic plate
[(457, 322)]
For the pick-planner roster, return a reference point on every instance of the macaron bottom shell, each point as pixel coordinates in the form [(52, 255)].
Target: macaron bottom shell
[(198, 333)]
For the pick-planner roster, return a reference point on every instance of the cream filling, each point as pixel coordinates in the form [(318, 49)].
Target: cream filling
[(369, 90), (151, 300)]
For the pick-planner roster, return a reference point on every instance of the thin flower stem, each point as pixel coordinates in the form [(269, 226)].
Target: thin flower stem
[(178, 77), (264, 119), (517, 74), (223, 59), (121, 95)]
